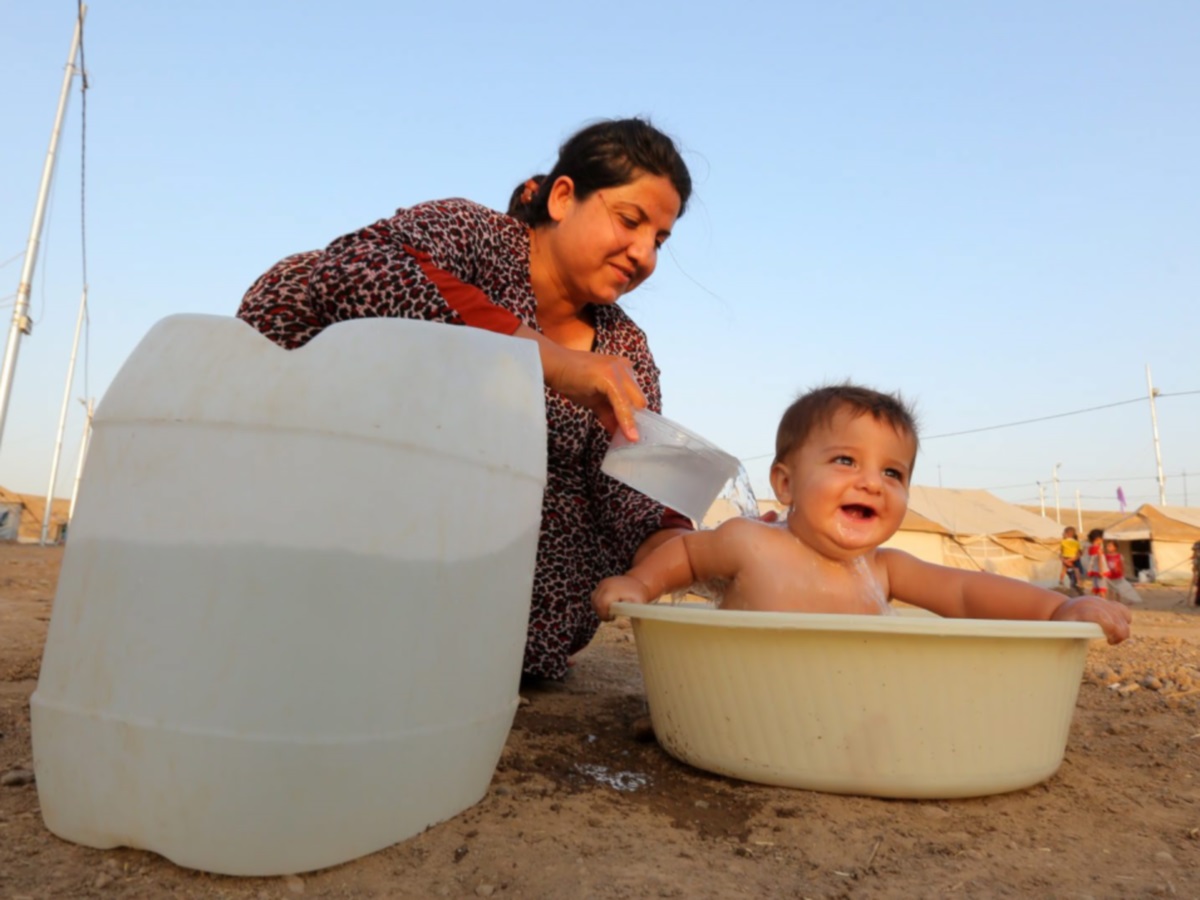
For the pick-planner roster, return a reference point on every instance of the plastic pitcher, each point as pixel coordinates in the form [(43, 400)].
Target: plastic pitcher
[(670, 464), (291, 613)]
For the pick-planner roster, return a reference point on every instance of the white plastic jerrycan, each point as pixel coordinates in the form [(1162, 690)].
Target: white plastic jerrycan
[(292, 609)]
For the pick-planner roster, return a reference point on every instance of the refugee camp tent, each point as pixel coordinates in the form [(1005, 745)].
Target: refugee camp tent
[(23, 521), (973, 529), (10, 518), (1160, 540)]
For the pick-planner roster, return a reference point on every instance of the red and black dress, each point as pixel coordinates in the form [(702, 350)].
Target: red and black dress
[(457, 262)]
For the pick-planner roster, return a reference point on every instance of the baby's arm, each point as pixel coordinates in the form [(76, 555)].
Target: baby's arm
[(674, 565), (959, 593)]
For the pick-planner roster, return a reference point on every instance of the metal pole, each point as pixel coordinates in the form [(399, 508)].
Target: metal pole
[(1057, 505), (1162, 482), (20, 320), (62, 416), (1042, 497), (84, 443), (1078, 512)]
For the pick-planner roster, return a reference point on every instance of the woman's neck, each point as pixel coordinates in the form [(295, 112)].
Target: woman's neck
[(558, 317)]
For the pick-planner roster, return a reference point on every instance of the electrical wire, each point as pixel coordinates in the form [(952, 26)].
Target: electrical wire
[(1062, 415)]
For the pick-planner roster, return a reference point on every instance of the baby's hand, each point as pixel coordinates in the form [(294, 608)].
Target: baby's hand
[(1113, 617), (618, 589)]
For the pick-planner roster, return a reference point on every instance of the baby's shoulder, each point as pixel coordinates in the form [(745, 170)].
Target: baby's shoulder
[(742, 528), (753, 540)]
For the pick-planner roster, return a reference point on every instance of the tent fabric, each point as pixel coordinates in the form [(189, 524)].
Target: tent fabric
[(1171, 531), (1082, 520), (1172, 523), (976, 512), (31, 510), (975, 530)]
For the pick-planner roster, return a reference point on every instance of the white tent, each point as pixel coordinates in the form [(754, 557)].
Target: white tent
[(1171, 531), (972, 529)]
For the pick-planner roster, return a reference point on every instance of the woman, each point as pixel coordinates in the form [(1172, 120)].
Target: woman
[(580, 238)]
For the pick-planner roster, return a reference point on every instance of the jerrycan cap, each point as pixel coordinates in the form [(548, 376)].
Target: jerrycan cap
[(670, 464)]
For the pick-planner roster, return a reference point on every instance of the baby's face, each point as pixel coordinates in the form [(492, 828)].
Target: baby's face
[(849, 484)]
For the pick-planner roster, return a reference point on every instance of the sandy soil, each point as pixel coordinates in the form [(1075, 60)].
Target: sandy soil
[(1121, 818)]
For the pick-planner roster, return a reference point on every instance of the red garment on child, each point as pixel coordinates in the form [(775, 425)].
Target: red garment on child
[(1116, 568), (1097, 564)]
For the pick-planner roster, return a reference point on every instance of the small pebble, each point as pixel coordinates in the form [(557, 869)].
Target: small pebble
[(294, 883), (701, 804), (1163, 856), (485, 890), (102, 881)]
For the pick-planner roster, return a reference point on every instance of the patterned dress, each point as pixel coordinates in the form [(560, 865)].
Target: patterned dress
[(457, 262)]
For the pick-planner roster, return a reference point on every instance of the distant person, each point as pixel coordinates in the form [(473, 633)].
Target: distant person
[(552, 271), (1072, 569), (1196, 573), (843, 460), (1097, 564), (1118, 587)]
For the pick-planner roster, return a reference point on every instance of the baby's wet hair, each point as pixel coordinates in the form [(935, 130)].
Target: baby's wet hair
[(819, 406)]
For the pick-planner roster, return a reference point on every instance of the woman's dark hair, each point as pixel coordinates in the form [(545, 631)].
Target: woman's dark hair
[(607, 154), (522, 194)]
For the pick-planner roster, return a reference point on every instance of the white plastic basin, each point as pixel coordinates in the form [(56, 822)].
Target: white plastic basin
[(886, 706)]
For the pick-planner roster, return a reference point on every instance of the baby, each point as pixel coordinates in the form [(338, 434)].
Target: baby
[(843, 462)]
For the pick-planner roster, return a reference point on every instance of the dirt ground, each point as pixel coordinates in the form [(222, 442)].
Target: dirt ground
[(1121, 818)]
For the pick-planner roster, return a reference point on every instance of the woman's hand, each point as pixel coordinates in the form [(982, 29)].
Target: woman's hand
[(604, 384)]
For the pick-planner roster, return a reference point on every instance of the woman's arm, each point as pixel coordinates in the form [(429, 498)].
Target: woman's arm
[(604, 384)]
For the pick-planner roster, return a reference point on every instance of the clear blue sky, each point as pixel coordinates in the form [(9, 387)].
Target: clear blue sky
[(993, 207)]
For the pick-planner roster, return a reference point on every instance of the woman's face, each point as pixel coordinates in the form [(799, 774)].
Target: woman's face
[(607, 244)]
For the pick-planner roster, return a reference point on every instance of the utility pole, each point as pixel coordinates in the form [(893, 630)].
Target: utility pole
[(1042, 497), (62, 417), (20, 320), (1162, 482), (84, 444), (1078, 512), (1057, 505)]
